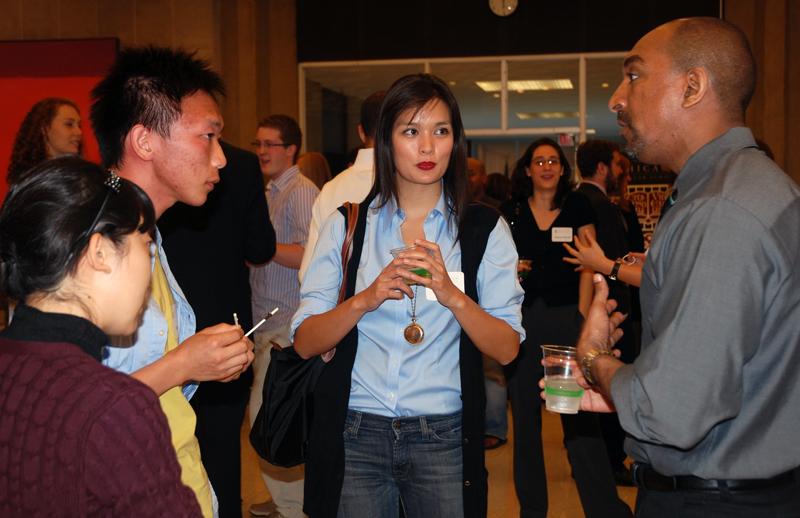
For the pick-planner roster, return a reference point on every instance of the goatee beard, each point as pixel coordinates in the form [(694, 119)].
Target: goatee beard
[(631, 146)]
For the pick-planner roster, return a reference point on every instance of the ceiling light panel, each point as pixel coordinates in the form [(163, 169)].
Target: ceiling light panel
[(527, 85)]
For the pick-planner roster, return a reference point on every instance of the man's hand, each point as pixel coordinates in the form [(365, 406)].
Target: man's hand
[(601, 328), (591, 401), (600, 332), (588, 254), (217, 353)]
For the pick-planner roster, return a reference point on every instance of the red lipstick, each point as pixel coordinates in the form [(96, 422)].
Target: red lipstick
[(426, 166)]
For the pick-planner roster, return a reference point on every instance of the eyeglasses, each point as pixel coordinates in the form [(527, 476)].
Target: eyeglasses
[(552, 162), (258, 144)]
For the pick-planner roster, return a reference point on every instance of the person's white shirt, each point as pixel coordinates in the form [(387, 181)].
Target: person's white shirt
[(353, 184)]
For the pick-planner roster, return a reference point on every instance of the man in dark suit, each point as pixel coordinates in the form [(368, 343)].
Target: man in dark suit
[(208, 248), (600, 165)]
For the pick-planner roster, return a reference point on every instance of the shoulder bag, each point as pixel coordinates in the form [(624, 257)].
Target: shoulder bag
[(282, 427)]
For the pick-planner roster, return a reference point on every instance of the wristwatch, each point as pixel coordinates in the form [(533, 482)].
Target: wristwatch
[(615, 269), (588, 359)]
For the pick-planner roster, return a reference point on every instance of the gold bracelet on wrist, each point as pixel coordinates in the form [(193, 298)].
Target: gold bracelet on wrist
[(588, 360)]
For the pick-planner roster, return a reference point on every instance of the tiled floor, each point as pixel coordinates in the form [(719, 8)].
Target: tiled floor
[(562, 494)]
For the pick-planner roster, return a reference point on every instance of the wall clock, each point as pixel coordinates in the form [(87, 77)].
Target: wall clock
[(503, 7)]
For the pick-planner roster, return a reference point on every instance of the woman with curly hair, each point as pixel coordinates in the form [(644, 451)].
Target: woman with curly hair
[(52, 128), (545, 213)]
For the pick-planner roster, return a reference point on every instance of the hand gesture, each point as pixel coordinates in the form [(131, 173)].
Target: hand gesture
[(600, 332), (217, 353), (601, 328), (389, 284), (427, 255), (587, 254)]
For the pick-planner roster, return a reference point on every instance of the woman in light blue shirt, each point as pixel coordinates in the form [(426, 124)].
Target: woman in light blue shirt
[(408, 346)]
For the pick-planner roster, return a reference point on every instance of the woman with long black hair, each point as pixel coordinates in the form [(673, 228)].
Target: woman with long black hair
[(399, 410)]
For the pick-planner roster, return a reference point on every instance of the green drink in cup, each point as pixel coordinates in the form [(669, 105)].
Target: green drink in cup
[(422, 272), (524, 266), (561, 390)]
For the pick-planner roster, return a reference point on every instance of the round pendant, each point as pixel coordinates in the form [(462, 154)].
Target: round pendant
[(413, 333)]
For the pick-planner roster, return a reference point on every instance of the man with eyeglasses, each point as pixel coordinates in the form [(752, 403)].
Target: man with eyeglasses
[(290, 196)]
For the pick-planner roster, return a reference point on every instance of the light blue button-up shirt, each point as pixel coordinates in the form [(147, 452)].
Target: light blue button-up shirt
[(129, 354), (390, 376)]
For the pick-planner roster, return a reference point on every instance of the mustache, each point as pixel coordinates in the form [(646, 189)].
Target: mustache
[(624, 117)]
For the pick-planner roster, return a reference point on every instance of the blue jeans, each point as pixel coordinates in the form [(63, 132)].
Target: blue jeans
[(496, 409), (410, 461)]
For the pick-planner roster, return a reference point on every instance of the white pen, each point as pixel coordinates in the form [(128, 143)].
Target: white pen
[(261, 322)]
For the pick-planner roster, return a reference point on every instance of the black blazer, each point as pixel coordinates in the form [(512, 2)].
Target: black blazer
[(611, 236), (207, 246)]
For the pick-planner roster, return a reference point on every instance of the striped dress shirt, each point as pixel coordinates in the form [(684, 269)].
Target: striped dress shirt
[(290, 198)]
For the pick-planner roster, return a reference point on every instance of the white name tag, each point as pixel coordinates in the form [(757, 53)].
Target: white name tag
[(456, 277), (561, 235)]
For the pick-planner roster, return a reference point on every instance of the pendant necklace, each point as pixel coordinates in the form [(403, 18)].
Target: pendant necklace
[(413, 333)]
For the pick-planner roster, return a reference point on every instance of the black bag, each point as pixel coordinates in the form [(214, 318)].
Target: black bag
[(282, 427)]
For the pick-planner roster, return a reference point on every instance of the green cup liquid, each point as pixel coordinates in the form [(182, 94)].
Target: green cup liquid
[(422, 272)]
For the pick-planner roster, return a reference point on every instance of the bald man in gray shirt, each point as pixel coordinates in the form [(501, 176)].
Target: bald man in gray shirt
[(712, 404)]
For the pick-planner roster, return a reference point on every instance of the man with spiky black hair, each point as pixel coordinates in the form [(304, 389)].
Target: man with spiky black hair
[(158, 124)]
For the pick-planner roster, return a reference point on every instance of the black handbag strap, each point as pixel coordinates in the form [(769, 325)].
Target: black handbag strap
[(350, 266), (351, 218)]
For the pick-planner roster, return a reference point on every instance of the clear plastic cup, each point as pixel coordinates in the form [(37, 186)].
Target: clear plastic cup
[(422, 272), (561, 390)]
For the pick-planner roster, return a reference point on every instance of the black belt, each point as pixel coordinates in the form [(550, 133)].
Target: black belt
[(645, 477)]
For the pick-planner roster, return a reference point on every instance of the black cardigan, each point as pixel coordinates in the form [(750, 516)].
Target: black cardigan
[(325, 462)]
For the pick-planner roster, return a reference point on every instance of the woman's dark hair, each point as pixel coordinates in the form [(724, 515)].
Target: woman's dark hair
[(47, 218), (30, 146), (413, 92), (522, 184)]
